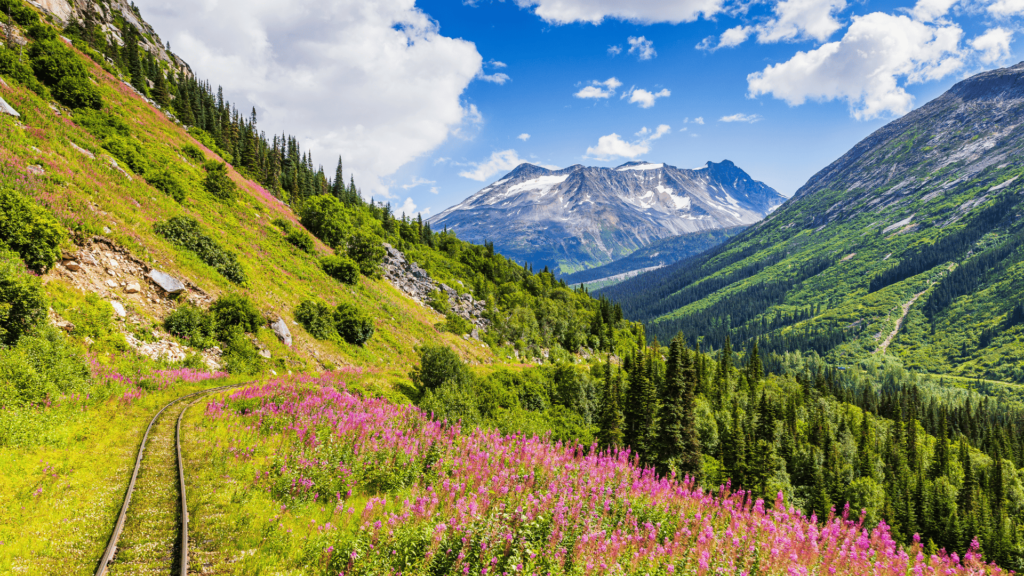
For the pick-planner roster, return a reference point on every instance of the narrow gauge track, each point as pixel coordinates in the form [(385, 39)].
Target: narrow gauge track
[(146, 555)]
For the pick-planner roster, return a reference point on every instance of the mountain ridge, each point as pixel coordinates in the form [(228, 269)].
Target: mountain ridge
[(580, 217)]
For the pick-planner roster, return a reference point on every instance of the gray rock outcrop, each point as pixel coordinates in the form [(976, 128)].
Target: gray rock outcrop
[(166, 282), (282, 332)]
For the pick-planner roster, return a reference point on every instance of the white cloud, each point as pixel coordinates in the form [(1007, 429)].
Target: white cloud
[(929, 10), (643, 48), (599, 89), (613, 146), (698, 120), (498, 162), (993, 45), (734, 36), (524, 136), (497, 64), (373, 82), (472, 120), (498, 78), (1007, 7), (646, 99), (615, 50), (749, 118), (866, 66), (409, 209), (417, 182), (442, 160), (642, 11), (802, 19), (435, 190)]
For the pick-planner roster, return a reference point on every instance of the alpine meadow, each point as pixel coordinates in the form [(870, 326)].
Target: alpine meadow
[(411, 287)]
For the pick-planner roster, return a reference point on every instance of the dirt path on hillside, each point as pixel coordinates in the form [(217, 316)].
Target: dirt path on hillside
[(899, 322)]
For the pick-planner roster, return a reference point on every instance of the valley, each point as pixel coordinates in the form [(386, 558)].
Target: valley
[(217, 357)]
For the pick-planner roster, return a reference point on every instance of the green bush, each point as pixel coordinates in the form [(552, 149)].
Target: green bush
[(78, 92), (53, 61), (192, 325), (283, 224), (167, 183), (192, 152), (19, 12), (41, 366), (235, 312), (128, 151), (340, 268), (439, 364), (186, 232), (93, 317), (240, 355), (207, 140), (327, 218), (22, 305), (29, 230), (368, 251), (439, 301), (217, 181), (457, 324), (11, 66), (353, 326), (317, 318), (101, 125), (301, 240), (453, 401)]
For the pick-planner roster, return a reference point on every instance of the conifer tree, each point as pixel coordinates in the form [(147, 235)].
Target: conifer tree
[(755, 370), (678, 443), (940, 459), (338, 189), (612, 422), (735, 451), (819, 502)]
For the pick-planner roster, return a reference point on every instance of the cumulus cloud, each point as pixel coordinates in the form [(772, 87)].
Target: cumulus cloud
[(409, 209), (373, 82), (497, 64), (614, 50), (644, 98), (598, 89), (1006, 7), (498, 162), (435, 190), (641, 11), (613, 146), (748, 118), (498, 78), (866, 67), (524, 136), (642, 47), (801, 20), (993, 45), (929, 10)]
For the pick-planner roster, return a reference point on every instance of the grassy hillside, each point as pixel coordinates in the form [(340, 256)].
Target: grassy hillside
[(910, 244)]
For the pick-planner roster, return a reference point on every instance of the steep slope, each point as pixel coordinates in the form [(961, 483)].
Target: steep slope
[(657, 254), (931, 203), (581, 217)]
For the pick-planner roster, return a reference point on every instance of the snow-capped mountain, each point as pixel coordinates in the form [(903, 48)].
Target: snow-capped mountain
[(580, 217)]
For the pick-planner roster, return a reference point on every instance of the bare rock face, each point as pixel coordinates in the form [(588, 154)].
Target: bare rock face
[(166, 282), (6, 108), (119, 309), (282, 332), (416, 283)]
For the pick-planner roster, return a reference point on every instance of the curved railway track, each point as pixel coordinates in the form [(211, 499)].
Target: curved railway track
[(158, 465)]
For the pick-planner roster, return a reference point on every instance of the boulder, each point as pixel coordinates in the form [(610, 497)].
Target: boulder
[(166, 282), (281, 331), (132, 288), (73, 266), (111, 284), (36, 169), (119, 309), (6, 108)]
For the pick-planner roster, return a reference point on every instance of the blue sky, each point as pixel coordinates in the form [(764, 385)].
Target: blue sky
[(429, 102)]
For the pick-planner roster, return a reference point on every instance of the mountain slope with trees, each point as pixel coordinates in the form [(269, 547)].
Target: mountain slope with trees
[(914, 234)]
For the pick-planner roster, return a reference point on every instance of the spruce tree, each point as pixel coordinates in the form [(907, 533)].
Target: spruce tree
[(735, 452), (755, 370), (678, 444), (940, 461), (338, 188), (612, 422), (819, 502)]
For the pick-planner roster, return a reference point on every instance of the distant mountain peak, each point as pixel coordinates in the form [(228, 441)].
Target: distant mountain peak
[(579, 217)]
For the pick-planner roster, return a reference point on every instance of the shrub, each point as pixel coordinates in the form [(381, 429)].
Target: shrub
[(192, 152), (352, 325), (326, 217), (439, 364), (457, 324), (186, 232), (368, 251), (340, 268), (128, 151), (240, 355), (439, 301), (453, 401), (19, 12), (78, 92), (283, 224), (218, 182), (29, 230), (93, 317), (192, 325), (52, 61), (100, 124), (301, 240), (22, 305), (41, 366), (207, 140), (167, 183), (235, 311), (317, 318), (11, 66)]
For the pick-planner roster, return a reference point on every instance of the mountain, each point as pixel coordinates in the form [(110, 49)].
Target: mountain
[(657, 254), (582, 217), (912, 243)]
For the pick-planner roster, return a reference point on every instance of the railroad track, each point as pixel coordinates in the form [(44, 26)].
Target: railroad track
[(156, 540)]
